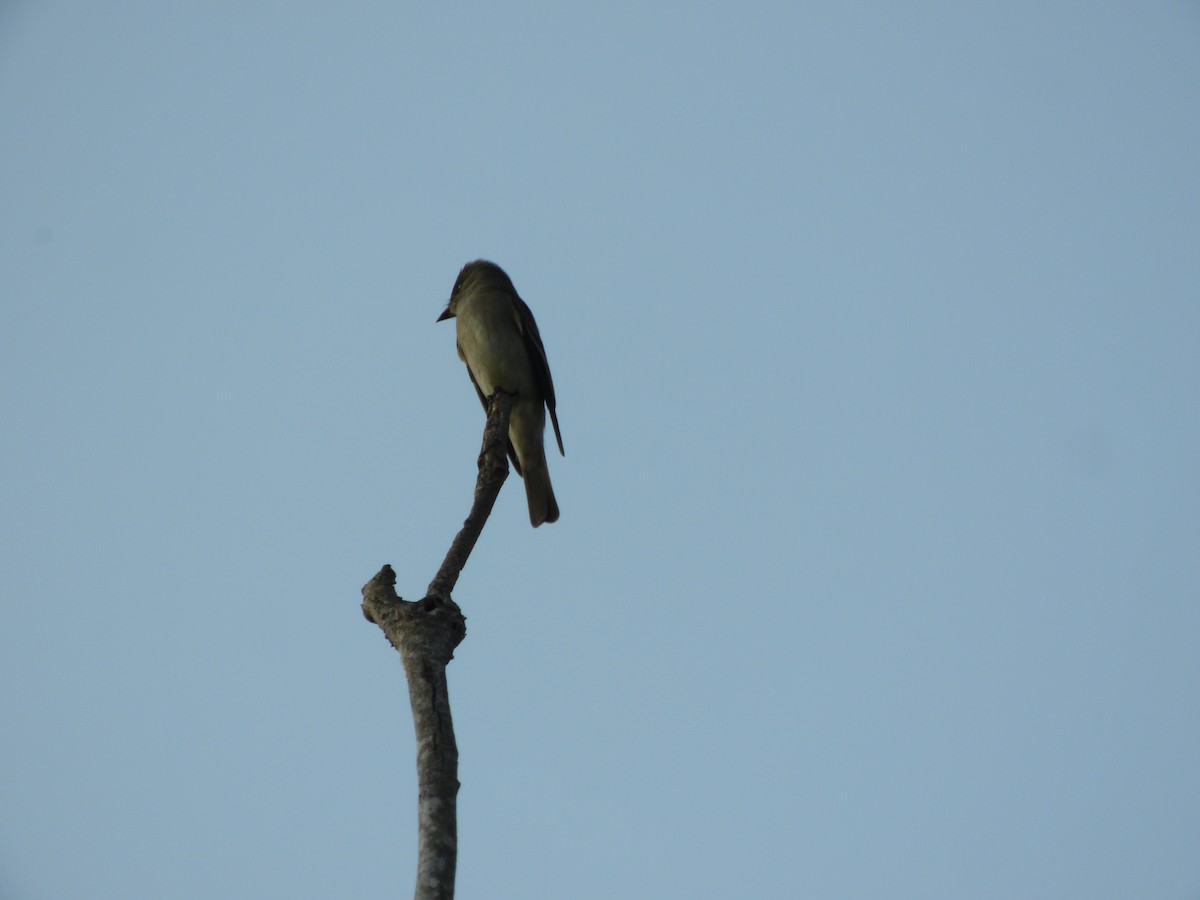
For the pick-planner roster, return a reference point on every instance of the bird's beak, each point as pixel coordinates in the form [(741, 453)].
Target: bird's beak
[(446, 314)]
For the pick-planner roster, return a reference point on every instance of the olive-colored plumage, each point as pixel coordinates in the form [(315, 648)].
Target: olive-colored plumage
[(499, 341)]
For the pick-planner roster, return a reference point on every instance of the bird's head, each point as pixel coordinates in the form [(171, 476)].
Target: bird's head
[(479, 275)]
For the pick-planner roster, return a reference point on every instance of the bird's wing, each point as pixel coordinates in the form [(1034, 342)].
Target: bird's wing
[(541, 367)]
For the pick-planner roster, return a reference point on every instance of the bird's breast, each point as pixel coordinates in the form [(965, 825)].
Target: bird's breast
[(492, 347)]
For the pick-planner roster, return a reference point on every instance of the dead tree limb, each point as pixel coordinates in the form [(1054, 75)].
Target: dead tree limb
[(493, 469), (426, 633)]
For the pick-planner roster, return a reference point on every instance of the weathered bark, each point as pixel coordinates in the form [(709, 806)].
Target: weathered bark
[(493, 469), (426, 633)]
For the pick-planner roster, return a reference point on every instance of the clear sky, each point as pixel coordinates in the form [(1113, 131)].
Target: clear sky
[(875, 331)]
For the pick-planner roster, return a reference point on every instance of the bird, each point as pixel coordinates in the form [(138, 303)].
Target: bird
[(499, 341)]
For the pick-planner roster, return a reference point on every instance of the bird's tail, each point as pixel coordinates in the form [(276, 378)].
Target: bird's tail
[(542, 505)]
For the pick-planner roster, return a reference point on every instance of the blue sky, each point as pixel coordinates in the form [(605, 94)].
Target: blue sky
[(874, 330)]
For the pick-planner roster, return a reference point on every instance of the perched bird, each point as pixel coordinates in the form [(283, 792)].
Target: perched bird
[(499, 342)]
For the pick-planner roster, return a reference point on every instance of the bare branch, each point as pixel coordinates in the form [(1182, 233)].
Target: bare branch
[(493, 469), (426, 634)]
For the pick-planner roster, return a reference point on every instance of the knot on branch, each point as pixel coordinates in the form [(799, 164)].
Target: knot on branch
[(427, 630)]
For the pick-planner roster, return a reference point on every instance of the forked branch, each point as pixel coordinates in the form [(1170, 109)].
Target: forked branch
[(426, 633)]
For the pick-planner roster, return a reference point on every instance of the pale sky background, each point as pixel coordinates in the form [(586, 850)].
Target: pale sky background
[(875, 329)]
